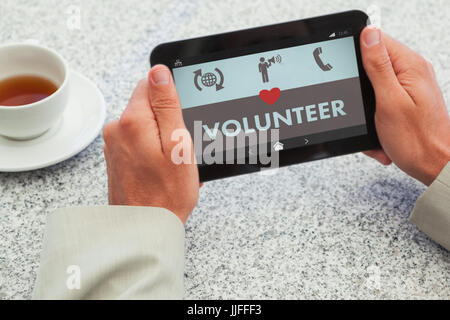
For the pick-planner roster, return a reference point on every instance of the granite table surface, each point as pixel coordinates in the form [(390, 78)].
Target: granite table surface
[(335, 228)]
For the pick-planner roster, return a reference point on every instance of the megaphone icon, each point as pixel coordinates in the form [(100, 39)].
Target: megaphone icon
[(274, 60)]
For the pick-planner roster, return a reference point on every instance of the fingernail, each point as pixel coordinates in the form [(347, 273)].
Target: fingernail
[(161, 76), (372, 36)]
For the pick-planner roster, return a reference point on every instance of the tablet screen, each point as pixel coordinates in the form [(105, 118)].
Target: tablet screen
[(310, 93)]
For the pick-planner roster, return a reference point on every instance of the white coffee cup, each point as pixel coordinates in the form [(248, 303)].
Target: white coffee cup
[(34, 119)]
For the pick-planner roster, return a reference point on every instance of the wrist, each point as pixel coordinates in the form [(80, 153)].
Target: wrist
[(434, 162), (131, 202)]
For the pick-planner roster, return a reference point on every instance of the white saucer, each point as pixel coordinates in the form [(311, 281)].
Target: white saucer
[(79, 126)]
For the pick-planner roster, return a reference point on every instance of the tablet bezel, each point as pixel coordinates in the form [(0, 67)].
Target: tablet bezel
[(261, 39)]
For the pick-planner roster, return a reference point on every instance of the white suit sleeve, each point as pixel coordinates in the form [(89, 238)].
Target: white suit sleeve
[(112, 253), (431, 213)]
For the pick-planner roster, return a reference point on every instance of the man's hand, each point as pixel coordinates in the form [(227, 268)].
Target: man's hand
[(411, 118), (138, 150)]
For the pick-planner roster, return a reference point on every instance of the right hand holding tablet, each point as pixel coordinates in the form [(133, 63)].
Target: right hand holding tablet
[(411, 118)]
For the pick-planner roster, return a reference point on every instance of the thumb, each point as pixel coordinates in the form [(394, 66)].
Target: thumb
[(377, 63), (165, 104)]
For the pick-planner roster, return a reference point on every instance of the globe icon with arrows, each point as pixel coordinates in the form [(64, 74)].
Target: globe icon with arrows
[(209, 79)]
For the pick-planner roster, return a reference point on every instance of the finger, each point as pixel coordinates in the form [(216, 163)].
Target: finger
[(377, 62), (109, 131), (165, 104), (138, 120), (379, 155), (139, 101), (139, 105), (412, 68), (201, 184), (402, 57)]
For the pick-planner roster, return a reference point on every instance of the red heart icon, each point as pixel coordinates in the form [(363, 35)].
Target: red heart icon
[(270, 97)]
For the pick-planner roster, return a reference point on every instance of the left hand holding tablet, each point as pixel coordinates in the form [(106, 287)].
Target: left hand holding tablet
[(138, 150)]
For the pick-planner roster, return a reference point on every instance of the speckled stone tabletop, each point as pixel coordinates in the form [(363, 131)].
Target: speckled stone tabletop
[(336, 228)]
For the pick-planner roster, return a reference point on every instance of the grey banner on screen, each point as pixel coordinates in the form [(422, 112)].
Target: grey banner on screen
[(291, 104)]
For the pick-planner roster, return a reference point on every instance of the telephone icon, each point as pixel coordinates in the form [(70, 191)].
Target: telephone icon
[(325, 67)]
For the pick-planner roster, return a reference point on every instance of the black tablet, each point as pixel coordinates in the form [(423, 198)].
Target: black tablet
[(275, 95)]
